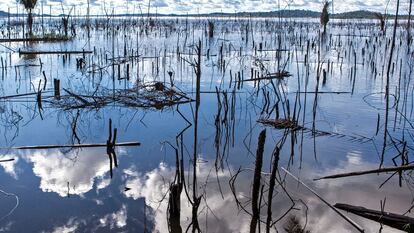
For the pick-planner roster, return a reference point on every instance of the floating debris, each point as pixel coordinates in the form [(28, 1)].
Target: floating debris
[(278, 75), (154, 95), (281, 123)]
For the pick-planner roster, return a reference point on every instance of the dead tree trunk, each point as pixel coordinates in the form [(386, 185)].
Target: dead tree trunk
[(256, 182)]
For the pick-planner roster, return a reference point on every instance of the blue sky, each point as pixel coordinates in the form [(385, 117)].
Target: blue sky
[(203, 6)]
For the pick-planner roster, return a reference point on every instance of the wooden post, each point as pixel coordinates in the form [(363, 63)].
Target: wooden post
[(119, 72), (56, 84), (127, 74)]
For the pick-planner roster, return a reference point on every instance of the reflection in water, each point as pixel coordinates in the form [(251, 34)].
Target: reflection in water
[(320, 100), (115, 220), (363, 191), (110, 222), (219, 213), (71, 226), (6, 227), (74, 173), (10, 167)]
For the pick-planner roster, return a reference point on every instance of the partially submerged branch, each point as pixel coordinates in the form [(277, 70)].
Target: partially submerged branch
[(374, 171)]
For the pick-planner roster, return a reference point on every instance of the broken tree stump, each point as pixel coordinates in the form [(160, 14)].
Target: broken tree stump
[(56, 85)]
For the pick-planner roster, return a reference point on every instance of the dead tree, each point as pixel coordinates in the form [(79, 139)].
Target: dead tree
[(325, 16)]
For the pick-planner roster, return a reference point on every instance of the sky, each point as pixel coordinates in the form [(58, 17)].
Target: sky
[(200, 6)]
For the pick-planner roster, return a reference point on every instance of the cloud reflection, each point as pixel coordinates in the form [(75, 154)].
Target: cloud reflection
[(220, 214), (71, 226), (10, 167), (78, 170), (115, 220), (111, 222)]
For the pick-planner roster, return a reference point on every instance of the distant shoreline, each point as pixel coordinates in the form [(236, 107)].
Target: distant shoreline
[(272, 14)]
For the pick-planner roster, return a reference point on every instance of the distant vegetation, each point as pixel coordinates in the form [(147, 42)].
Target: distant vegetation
[(281, 13), (29, 5), (325, 16)]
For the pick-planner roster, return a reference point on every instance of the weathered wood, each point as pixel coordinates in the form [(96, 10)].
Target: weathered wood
[(325, 92), (56, 86), (53, 52), (397, 221), (6, 160), (360, 173), (77, 97), (281, 75), (256, 181), (32, 39), (354, 224), (18, 95), (72, 146)]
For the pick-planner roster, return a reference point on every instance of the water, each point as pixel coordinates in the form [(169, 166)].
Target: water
[(71, 190)]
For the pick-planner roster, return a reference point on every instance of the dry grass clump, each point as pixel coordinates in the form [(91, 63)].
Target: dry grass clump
[(281, 123), (150, 95)]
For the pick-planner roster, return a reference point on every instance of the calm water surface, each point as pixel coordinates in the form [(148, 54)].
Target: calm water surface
[(71, 190)]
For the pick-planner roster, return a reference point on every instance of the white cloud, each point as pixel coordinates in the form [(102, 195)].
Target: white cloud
[(204, 6), (154, 185), (103, 183), (70, 227), (115, 220), (98, 202), (10, 167), (6, 227), (56, 170), (112, 221), (222, 214)]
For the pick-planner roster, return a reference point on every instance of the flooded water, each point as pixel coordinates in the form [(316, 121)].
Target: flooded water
[(326, 115)]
